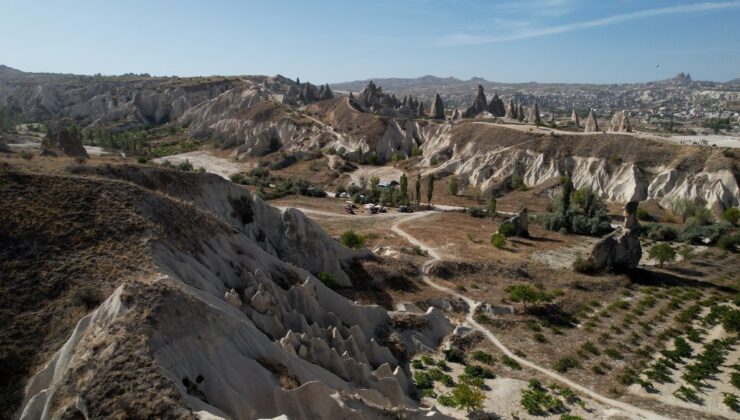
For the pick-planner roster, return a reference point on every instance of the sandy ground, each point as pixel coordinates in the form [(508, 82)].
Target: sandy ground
[(563, 257), (220, 166)]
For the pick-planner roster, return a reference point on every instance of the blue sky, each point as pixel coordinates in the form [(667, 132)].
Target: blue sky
[(331, 41)]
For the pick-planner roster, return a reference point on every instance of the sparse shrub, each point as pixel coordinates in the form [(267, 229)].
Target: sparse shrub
[(417, 364), (350, 239), (564, 364), (427, 360), (584, 266), (482, 357), (185, 166), (479, 372), (597, 370), (591, 348), (25, 154), (508, 361), (659, 232), (498, 240), (540, 338), (85, 295), (731, 401), (328, 279)]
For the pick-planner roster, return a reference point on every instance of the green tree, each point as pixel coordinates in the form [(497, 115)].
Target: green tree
[(453, 186), (374, 182), (662, 253), (417, 186), (468, 398), (404, 186), (567, 191), (527, 294), (492, 207), (430, 188)]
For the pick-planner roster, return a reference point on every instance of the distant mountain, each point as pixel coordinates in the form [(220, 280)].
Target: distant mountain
[(394, 83), (735, 81)]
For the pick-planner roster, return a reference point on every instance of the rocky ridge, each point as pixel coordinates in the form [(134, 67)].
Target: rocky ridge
[(235, 321)]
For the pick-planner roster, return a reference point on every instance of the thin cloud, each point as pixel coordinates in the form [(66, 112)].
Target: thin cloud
[(468, 39)]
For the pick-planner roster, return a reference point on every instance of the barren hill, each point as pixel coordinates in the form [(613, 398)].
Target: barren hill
[(201, 294)]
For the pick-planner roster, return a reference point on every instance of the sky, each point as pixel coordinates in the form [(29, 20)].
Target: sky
[(572, 41)]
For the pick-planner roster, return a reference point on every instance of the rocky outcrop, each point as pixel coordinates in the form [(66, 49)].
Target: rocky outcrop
[(497, 107), (534, 115), (480, 104), (511, 110), (620, 123), (591, 126), (438, 108), (217, 318), (520, 113), (574, 118), (456, 114), (620, 250), (484, 155), (61, 142)]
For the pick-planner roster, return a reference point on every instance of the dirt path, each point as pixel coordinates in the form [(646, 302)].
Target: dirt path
[(628, 409)]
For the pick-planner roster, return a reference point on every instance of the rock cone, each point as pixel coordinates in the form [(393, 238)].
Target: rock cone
[(591, 126), (438, 108)]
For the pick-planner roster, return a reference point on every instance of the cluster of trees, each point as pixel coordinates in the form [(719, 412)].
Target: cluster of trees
[(9, 118), (699, 226), (370, 191), (576, 211)]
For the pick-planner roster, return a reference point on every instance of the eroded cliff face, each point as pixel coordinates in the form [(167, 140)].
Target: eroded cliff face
[(617, 167), (226, 318)]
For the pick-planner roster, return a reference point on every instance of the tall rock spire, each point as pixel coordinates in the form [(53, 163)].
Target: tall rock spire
[(591, 126), (438, 108), (574, 118)]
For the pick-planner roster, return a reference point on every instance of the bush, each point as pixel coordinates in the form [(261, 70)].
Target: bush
[(697, 234), (185, 166), (328, 279), (422, 380), (564, 364), (476, 212), (527, 294), (482, 357), (731, 401), (517, 183), (728, 242), (508, 361), (498, 240), (25, 154), (658, 232), (465, 397), (507, 229), (663, 253), (731, 215), (584, 266), (643, 215), (350, 239), (454, 355), (87, 296)]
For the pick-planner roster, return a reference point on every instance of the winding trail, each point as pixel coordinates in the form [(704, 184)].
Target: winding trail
[(628, 409)]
